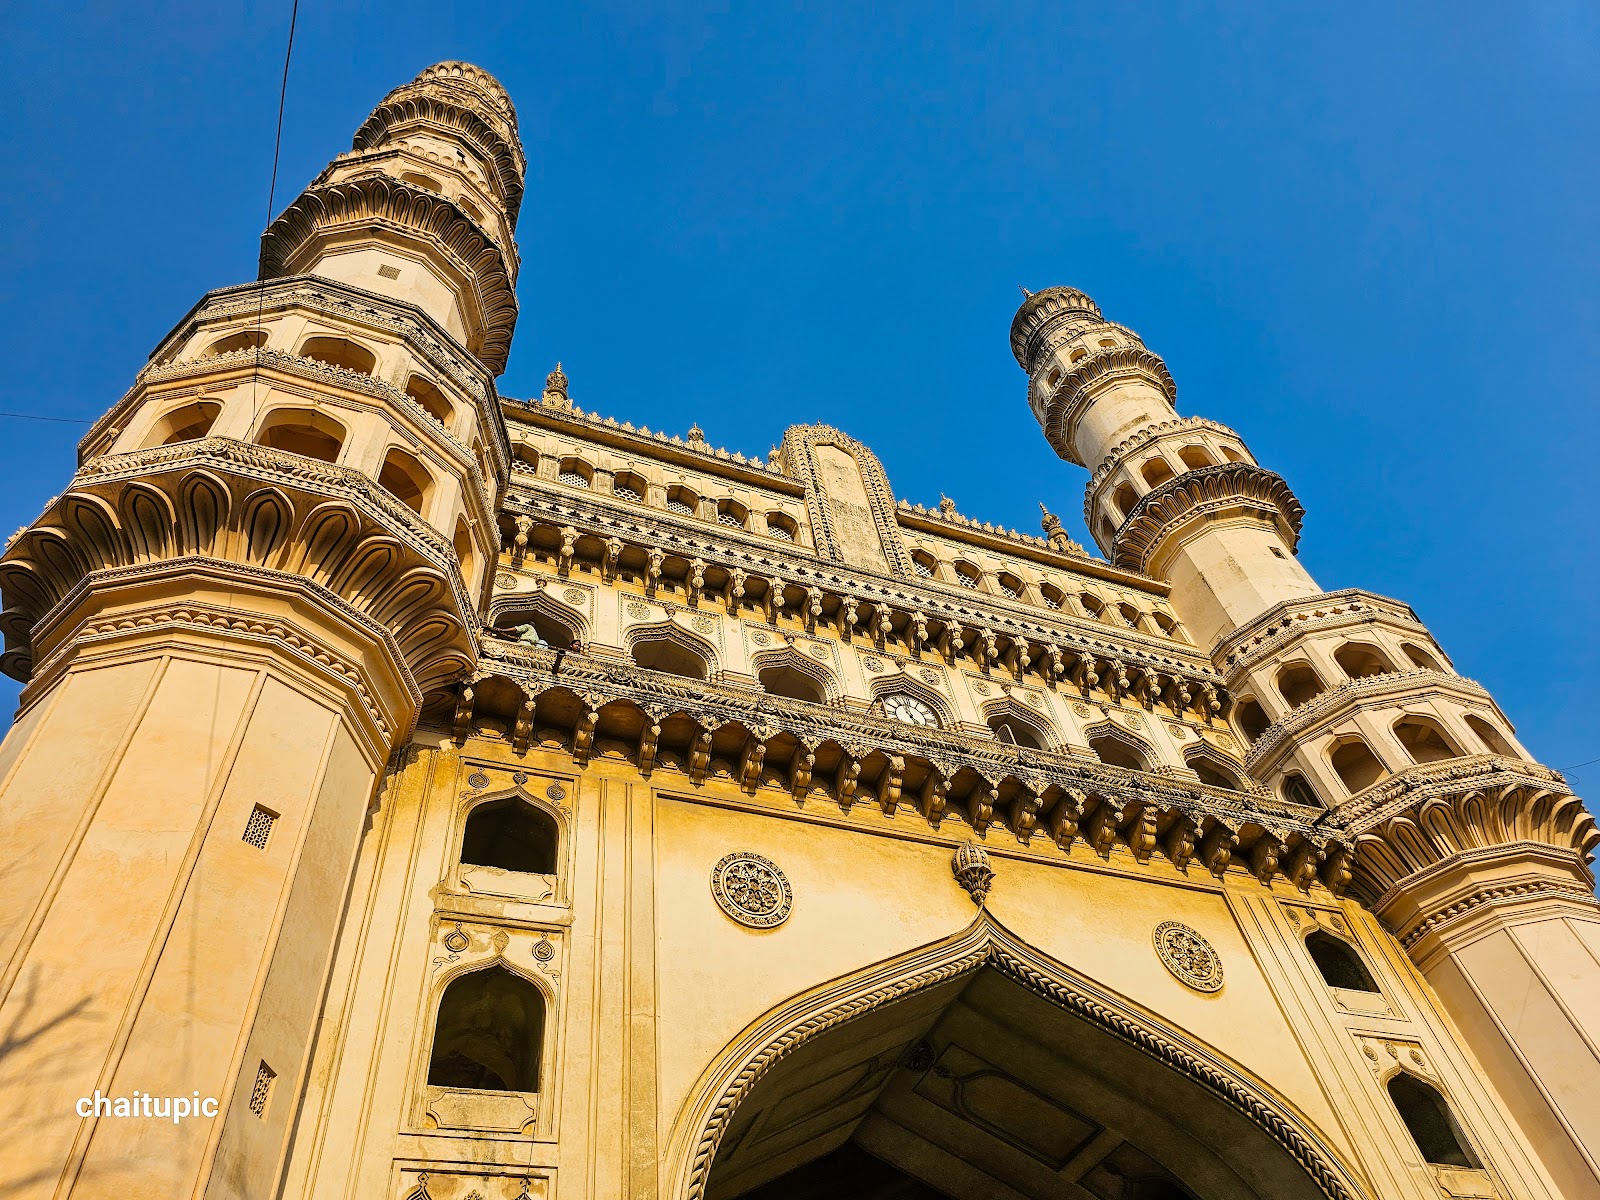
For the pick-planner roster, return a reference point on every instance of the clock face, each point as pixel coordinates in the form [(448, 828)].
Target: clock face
[(909, 709)]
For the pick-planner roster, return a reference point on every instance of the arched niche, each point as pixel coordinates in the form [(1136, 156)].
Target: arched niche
[(488, 1033), (186, 423), (511, 833), (555, 624), (1018, 725), (1215, 768), (1430, 1122), (978, 1058), (1117, 748), (1424, 739), (307, 432), (796, 676), (673, 650), (1339, 963)]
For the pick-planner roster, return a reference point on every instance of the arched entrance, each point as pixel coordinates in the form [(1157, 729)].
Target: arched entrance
[(979, 1068)]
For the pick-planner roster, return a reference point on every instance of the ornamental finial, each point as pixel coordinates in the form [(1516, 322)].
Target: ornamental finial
[(970, 866), (697, 436), (1059, 541), (555, 384), (947, 506), (1026, 294)]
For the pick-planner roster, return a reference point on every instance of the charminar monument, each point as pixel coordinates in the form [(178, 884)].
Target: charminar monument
[(470, 797)]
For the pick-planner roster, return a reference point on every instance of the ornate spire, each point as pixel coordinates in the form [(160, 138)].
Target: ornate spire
[(947, 506), (697, 436), (555, 388)]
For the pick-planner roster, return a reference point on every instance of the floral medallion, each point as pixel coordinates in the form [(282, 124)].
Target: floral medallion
[(752, 890), (1188, 955)]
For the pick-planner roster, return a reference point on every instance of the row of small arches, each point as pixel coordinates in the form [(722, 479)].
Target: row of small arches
[(1156, 471), (1423, 740), (680, 499), (312, 433), (1299, 682), (351, 356)]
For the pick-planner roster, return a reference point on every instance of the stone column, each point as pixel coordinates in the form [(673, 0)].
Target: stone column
[(1488, 888)]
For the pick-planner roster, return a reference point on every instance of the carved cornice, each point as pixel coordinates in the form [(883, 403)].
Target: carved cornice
[(1449, 777), (1522, 893), (857, 755), (260, 508), (1061, 409), (1270, 633), (378, 201), (1334, 704), (1208, 492), (689, 539)]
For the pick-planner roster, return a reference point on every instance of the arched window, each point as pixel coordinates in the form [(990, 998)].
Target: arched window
[(628, 486), (1124, 498), (185, 424), (1490, 736), (1355, 764), (525, 458), (925, 566), (663, 654), (574, 472), (731, 514), (1115, 752), (1013, 732), (783, 680), (1010, 585), (425, 182), (510, 834), (488, 1033), (432, 400), (1358, 660), (1052, 596), (1168, 626), (1339, 963), (682, 501), (1156, 472), (1232, 455), (406, 479), (1430, 1122), (1297, 791), (1423, 740), (245, 339), (1196, 457), (462, 544), (968, 576), (1130, 615), (340, 352), (781, 527), (304, 432), (1108, 531), (538, 629), (1213, 774), (1251, 719), (1420, 657), (1093, 605), (1298, 683)]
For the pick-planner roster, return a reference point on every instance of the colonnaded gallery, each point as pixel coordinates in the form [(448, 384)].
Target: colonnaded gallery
[(486, 800)]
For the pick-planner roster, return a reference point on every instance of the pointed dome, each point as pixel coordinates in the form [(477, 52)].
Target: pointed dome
[(1042, 311)]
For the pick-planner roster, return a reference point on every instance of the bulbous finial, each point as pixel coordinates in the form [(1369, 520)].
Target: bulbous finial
[(555, 387)]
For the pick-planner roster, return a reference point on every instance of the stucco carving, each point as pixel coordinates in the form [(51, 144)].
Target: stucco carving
[(752, 890)]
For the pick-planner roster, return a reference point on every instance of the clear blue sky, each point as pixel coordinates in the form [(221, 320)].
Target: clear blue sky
[(1364, 237)]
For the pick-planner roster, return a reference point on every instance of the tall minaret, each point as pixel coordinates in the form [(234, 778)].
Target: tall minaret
[(272, 554), (1476, 857)]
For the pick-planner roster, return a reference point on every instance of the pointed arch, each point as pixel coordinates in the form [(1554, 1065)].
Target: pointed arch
[(985, 944), (1007, 713), (653, 646), (519, 608), (1116, 747), (462, 1039), (1214, 767), (769, 667), (904, 684)]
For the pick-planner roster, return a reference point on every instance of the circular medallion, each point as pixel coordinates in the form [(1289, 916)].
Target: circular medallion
[(1080, 708), (820, 652), (505, 579), (760, 638), (981, 688), (1134, 720), (704, 623), (872, 664), (477, 780), (556, 792), (1188, 955), (638, 611), (573, 596), (752, 890), (456, 941), (929, 675), (1034, 699), (1179, 732), (543, 951)]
